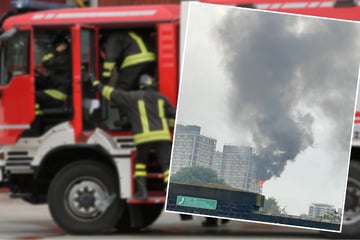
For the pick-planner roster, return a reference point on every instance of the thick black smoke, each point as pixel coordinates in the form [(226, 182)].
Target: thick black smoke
[(284, 69)]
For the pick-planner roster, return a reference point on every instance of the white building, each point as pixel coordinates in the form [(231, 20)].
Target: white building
[(317, 210)]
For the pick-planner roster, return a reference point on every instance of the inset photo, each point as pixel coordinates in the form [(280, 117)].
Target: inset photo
[(265, 117)]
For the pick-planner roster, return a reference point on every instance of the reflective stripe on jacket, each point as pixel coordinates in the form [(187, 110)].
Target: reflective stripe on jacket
[(143, 56), (127, 49), (148, 111), (56, 94)]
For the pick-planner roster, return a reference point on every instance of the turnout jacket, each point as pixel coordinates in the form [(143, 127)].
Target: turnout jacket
[(59, 65), (148, 111), (125, 49)]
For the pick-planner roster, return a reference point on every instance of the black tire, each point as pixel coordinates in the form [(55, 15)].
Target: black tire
[(124, 223), (149, 213), (73, 196), (351, 219)]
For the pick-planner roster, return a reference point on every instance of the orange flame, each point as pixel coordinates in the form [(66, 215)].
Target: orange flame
[(261, 182)]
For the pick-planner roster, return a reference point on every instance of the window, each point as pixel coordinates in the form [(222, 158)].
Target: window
[(14, 56), (88, 50)]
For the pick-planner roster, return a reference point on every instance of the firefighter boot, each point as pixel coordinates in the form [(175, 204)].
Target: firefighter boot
[(141, 189)]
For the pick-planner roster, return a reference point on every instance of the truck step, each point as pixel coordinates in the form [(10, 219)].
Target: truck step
[(155, 175), (4, 190)]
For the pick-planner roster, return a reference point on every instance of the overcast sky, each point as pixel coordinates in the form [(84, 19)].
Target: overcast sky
[(283, 84)]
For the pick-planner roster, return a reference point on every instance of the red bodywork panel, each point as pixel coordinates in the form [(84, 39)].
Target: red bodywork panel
[(168, 61), (98, 16), (17, 101), (357, 118), (16, 108)]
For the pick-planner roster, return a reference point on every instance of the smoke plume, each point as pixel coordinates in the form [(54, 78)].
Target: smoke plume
[(285, 72)]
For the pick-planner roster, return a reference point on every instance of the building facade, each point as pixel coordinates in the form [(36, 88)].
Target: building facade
[(191, 148), (238, 168), (217, 163), (234, 164), (317, 210)]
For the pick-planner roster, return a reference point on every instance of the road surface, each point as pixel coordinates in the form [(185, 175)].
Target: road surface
[(20, 220)]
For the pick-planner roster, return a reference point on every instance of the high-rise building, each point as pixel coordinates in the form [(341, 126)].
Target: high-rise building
[(238, 167), (234, 164), (191, 148), (217, 163)]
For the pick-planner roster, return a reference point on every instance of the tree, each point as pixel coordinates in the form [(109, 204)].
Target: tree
[(330, 216), (197, 174), (271, 205)]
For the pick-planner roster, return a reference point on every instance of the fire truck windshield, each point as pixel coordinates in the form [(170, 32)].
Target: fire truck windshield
[(14, 55)]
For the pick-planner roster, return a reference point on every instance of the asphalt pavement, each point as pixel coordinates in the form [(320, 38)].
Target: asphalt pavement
[(20, 220)]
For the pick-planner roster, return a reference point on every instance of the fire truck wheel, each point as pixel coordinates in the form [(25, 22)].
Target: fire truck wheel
[(83, 198), (351, 219), (124, 223), (149, 214)]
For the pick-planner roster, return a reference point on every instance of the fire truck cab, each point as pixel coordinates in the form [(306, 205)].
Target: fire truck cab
[(81, 167)]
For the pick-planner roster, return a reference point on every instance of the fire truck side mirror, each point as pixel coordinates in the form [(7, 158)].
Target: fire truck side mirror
[(8, 34)]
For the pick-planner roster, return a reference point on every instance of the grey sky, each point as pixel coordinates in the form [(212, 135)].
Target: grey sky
[(281, 83)]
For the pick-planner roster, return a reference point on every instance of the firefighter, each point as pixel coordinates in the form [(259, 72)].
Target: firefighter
[(126, 58), (52, 89), (148, 111)]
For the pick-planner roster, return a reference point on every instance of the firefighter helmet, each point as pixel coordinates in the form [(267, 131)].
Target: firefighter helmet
[(61, 38), (146, 81)]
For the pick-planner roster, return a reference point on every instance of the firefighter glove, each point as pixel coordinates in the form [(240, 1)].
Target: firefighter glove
[(95, 83)]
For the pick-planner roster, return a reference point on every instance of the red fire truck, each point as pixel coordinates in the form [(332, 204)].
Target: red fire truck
[(82, 170)]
